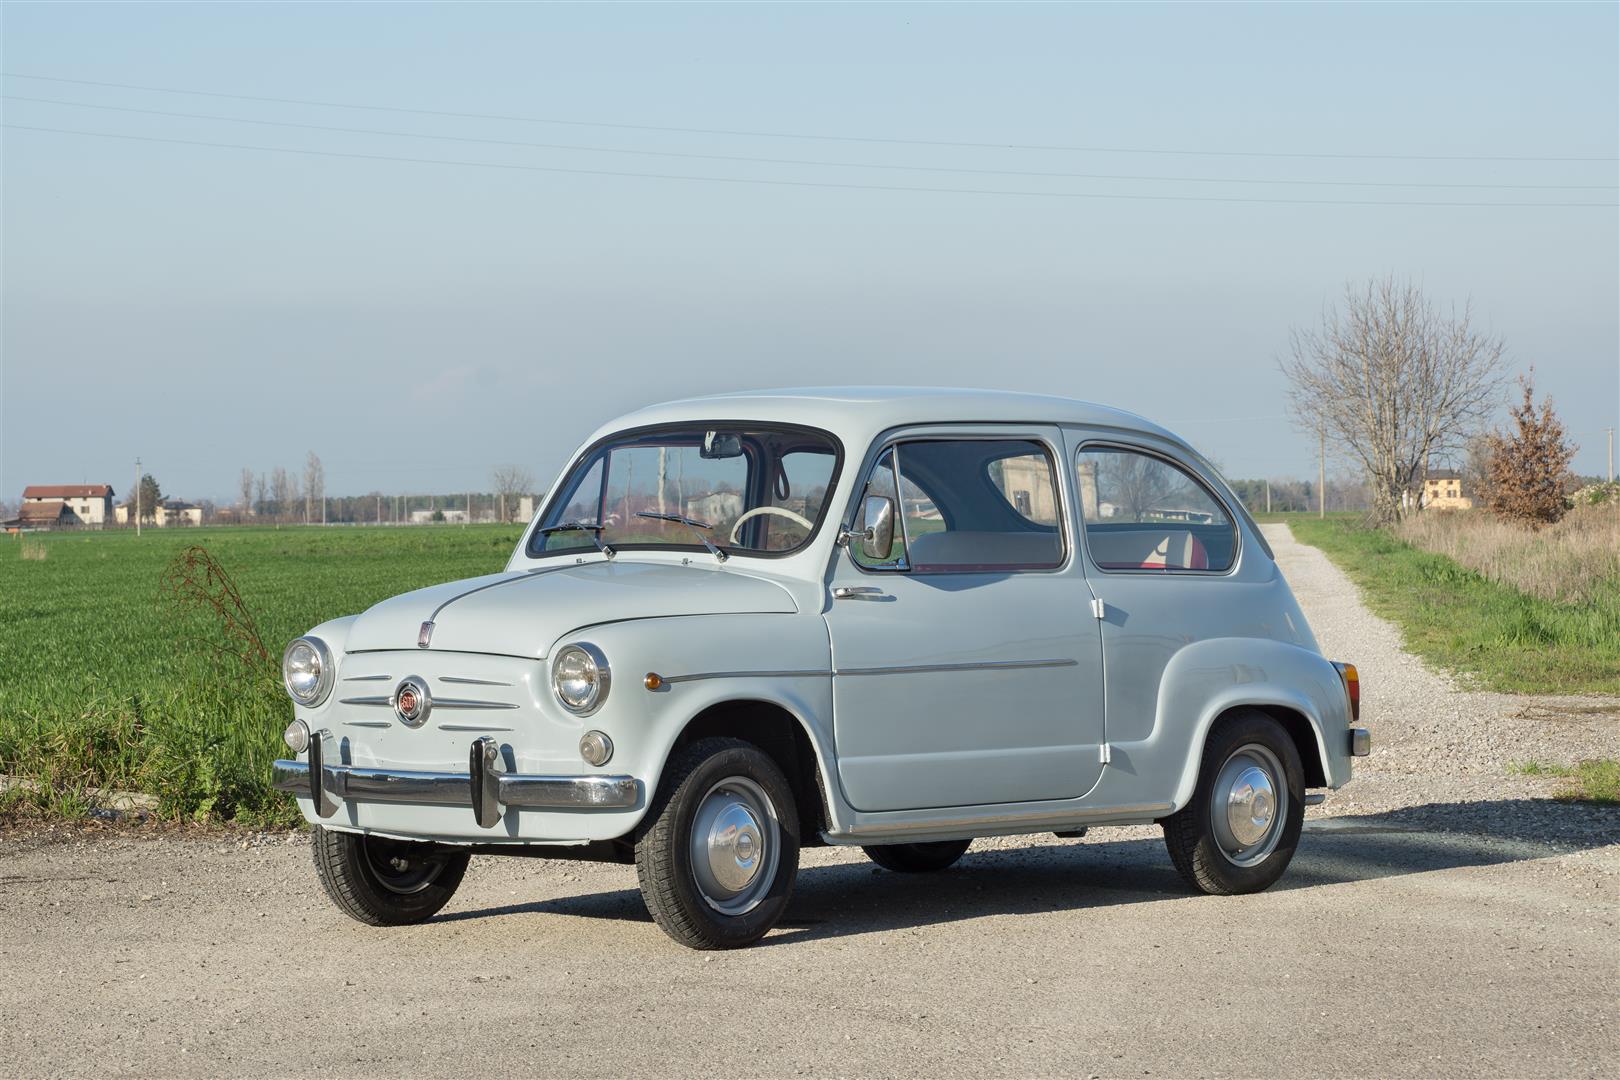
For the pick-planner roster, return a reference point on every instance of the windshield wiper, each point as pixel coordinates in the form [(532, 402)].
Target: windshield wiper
[(692, 523), (580, 526)]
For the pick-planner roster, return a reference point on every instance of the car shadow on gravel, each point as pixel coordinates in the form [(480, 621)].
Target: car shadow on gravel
[(849, 899)]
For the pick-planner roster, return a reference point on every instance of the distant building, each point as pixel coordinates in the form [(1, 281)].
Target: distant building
[(1443, 490), (57, 505), (170, 512)]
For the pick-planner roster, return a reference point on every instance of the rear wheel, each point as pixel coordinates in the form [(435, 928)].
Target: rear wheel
[(1239, 832), (718, 852), (925, 858), (383, 882)]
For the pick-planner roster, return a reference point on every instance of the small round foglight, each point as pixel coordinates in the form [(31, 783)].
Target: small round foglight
[(307, 670), (580, 678), (595, 747), (296, 736)]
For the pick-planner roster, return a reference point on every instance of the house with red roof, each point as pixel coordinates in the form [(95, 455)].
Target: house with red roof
[(48, 505)]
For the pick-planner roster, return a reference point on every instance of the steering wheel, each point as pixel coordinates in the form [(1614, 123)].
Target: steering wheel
[(736, 530)]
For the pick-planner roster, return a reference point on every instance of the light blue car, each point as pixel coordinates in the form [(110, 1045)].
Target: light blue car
[(894, 619)]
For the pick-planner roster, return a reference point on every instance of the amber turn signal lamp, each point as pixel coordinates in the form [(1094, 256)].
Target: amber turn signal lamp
[(1352, 687), (653, 680)]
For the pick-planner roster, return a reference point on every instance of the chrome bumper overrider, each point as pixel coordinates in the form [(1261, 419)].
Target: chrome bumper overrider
[(485, 788), (1360, 742)]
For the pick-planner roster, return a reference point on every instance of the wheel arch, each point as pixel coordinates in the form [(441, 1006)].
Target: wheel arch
[(781, 735)]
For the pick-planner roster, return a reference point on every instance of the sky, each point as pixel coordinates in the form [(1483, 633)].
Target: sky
[(209, 307)]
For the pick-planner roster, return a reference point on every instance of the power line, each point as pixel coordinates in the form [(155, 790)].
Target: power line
[(788, 183), (796, 161), (745, 133)]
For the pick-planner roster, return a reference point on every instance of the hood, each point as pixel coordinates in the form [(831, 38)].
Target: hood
[(522, 613)]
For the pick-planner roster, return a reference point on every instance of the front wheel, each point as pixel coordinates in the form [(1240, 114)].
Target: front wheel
[(923, 858), (718, 852), (1239, 832), (383, 882)]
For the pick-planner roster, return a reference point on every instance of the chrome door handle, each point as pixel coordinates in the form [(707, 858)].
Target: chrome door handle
[(855, 592)]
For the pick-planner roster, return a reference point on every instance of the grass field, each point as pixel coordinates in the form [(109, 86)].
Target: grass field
[(1501, 637), (103, 684)]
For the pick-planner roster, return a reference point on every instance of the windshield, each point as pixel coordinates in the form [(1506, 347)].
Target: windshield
[(747, 489)]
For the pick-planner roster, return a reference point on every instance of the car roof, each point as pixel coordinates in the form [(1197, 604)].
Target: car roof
[(877, 408)]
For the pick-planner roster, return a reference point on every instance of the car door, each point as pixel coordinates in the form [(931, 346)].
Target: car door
[(1161, 548), (967, 664)]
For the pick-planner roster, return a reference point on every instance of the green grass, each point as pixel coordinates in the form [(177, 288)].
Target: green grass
[(1499, 637), (102, 684), (1590, 781)]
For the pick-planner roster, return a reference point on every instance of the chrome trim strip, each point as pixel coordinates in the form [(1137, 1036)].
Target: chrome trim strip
[(994, 821), (455, 789), (979, 665), (367, 723), (383, 701), (472, 682), (471, 727), (822, 674), (470, 703), (367, 678)]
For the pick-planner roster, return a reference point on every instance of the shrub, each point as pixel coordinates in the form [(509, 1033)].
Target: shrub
[(1527, 465)]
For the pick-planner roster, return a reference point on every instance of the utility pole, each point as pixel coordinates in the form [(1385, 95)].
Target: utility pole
[(1321, 472), (464, 524), (137, 498), (1611, 455), (1268, 496)]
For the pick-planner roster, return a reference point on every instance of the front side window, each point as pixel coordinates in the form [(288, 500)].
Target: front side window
[(748, 489), (972, 505), (1143, 513)]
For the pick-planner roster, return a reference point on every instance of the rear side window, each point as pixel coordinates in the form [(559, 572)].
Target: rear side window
[(1144, 513), (974, 505)]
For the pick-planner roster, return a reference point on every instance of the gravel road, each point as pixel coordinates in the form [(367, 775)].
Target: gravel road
[(1443, 918)]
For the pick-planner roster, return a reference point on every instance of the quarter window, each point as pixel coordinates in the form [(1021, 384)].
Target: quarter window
[(971, 505), (1143, 513)]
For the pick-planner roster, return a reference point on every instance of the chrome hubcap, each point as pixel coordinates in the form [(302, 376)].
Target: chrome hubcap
[(1248, 805), (733, 846)]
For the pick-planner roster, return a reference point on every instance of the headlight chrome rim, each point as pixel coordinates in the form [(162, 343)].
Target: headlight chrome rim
[(601, 678), (325, 673)]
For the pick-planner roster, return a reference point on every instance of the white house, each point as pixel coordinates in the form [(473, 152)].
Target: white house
[(79, 504)]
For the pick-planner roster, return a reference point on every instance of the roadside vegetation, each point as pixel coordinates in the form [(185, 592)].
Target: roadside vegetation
[(1493, 629), (1588, 781), (109, 681)]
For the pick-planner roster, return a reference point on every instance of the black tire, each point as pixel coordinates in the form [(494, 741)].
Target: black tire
[(724, 773), (1193, 833), (926, 858), (383, 882)]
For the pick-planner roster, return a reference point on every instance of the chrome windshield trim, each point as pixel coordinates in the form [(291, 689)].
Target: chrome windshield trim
[(978, 665)]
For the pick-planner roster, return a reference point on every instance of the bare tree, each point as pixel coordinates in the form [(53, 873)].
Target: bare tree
[(513, 481), (247, 491), (1392, 380), (281, 491), (314, 485), (261, 494)]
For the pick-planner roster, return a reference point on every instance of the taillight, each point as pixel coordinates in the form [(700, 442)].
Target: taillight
[(1352, 688)]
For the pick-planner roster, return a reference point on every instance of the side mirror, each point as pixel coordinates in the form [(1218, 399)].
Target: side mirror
[(877, 521)]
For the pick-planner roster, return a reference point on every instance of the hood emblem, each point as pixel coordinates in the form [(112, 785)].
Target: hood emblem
[(424, 636), (411, 701)]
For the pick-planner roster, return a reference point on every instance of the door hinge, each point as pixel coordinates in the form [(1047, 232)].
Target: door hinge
[(1098, 608), (1107, 754)]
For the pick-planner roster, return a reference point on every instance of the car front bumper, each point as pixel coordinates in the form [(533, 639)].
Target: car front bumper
[(486, 788)]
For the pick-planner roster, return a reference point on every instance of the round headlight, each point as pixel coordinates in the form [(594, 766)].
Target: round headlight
[(579, 677), (306, 670)]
